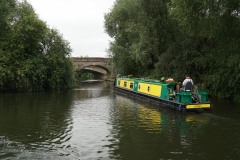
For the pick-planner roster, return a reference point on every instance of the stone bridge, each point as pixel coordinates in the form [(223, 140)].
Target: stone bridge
[(97, 64)]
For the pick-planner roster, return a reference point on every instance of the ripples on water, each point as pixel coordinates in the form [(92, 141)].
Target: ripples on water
[(92, 122)]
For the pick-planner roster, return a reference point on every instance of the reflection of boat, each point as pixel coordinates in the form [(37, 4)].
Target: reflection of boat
[(145, 117), (196, 118), (149, 118), (166, 93)]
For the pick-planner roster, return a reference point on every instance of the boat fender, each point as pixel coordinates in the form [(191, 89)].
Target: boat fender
[(179, 107)]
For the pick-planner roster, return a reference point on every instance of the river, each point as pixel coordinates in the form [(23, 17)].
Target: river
[(94, 123)]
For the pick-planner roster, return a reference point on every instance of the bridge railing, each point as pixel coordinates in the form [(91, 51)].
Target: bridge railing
[(90, 59)]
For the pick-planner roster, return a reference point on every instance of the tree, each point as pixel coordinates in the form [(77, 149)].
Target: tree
[(141, 33), (25, 49), (59, 66), (177, 37), (211, 29)]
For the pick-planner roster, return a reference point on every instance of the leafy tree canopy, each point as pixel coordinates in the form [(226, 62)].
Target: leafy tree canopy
[(32, 56), (175, 37)]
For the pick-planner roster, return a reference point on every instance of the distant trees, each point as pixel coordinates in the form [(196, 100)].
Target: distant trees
[(32, 56), (161, 37)]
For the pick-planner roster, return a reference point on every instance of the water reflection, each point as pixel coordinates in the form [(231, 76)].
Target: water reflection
[(92, 89), (35, 121), (92, 122), (153, 120), (150, 119), (147, 131)]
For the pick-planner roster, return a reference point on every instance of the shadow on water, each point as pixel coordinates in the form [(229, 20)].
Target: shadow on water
[(30, 121), (226, 108)]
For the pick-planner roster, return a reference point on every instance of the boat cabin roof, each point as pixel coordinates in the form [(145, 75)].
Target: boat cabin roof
[(150, 81)]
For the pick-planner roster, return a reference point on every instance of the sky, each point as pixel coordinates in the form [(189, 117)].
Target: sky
[(81, 22)]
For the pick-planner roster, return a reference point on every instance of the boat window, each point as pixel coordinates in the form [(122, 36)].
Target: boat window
[(125, 84), (139, 86), (148, 88), (131, 85), (119, 83)]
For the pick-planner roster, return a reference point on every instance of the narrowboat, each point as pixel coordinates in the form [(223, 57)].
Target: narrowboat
[(166, 93)]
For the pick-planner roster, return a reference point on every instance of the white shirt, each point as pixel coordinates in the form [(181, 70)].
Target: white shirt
[(187, 80)]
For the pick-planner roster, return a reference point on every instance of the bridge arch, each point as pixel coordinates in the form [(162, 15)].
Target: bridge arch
[(82, 63)]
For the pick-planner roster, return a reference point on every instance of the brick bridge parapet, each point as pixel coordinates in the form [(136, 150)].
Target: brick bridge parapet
[(81, 63)]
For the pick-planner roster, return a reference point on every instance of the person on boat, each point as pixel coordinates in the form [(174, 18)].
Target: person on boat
[(169, 79), (187, 84)]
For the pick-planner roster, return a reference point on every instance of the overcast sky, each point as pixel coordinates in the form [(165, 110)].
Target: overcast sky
[(79, 21)]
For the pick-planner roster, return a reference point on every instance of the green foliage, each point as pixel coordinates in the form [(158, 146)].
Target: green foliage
[(83, 75), (211, 29), (57, 49), (32, 56), (176, 37), (140, 30)]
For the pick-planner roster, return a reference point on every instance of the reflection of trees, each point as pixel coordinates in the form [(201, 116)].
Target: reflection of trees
[(141, 131), (92, 90), (191, 128), (36, 118)]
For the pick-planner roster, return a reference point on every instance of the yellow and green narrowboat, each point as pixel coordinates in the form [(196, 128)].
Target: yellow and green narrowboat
[(166, 93)]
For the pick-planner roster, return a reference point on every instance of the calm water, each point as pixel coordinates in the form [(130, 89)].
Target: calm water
[(92, 122)]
